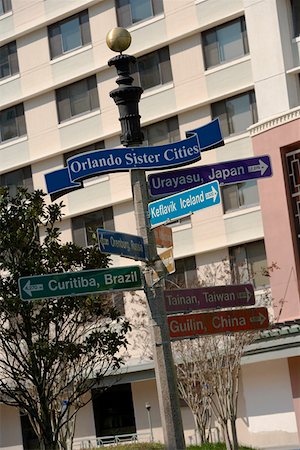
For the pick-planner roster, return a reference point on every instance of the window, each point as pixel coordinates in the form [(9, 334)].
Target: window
[(225, 42), (130, 12), (163, 132), (12, 122), (17, 178), (85, 226), (77, 98), (236, 114), (69, 34), (153, 69), (185, 275), (240, 195), (248, 262), (296, 16), (8, 60), (5, 6)]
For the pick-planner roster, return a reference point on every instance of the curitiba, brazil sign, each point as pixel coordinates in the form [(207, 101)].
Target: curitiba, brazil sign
[(90, 164), (84, 282)]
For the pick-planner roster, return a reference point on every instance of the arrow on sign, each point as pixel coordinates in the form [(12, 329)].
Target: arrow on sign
[(247, 295), (29, 288), (212, 194), (259, 319), (262, 167)]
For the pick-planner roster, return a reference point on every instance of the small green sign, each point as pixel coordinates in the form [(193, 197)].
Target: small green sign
[(85, 282)]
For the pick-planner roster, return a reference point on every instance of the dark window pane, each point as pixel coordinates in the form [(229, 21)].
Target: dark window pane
[(149, 70), (296, 16), (5, 6), (55, 41), (225, 42), (162, 132), (8, 60), (17, 178), (123, 13), (140, 10), (77, 98), (130, 12), (84, 227), (248, 264), (165, 65), (69, 34), (185, 274), (236, 114), (240, 195), (12, 122)]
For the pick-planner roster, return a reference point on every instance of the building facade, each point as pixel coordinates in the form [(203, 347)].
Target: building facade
[(237, 60)]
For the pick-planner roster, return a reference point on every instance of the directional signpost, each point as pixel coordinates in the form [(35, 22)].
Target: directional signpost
[(231, 296), (123, 244), (189, 325), (184, 203), (85, 282), (166, 183)]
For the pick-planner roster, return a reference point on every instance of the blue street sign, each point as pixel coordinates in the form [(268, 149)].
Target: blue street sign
[(166, 183), (185, 203), (123, 244), (90, 164)]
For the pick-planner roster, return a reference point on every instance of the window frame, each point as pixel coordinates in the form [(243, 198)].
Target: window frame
[(295, 7), (55, 34), (80, 225), (11, 60), (124, 12), (238, 192), (162, 69), (172, 127), (6, 7), (226, 121), (185, 275), (65, 102), (216, 43), (19, 122), (248, 275), (23, 177)]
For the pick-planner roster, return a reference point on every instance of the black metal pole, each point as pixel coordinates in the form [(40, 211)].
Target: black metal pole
[(127, 98)]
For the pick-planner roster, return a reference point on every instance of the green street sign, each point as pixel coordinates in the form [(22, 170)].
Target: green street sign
[(85, 282)]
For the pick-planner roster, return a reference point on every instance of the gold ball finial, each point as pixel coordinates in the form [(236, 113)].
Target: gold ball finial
[(118, 39)]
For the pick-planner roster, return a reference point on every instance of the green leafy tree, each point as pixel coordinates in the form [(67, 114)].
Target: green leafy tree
[(51, 351)]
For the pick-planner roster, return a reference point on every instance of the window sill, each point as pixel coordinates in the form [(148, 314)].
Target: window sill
[(76, 119), (157, 89), (75, 52), (9, 78), (5, 15), (13, 141), (296, 39), (225, 65), (142, 23), (241, 212)]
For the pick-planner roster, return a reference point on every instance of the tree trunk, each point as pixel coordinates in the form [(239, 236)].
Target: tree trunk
[(226, 436), (235, 443)]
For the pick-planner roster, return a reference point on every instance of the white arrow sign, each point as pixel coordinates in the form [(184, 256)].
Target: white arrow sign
[(29, 288), (260, 319), (261, 167)]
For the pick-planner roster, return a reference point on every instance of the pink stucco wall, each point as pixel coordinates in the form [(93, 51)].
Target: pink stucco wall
[(281, 245)]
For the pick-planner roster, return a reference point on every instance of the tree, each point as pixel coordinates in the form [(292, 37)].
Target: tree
[(51, 351)]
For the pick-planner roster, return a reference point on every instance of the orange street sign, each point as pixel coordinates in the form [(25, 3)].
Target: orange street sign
[(188, 325)]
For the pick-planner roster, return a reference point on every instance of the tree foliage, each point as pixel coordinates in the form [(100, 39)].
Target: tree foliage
[(51, 351)]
